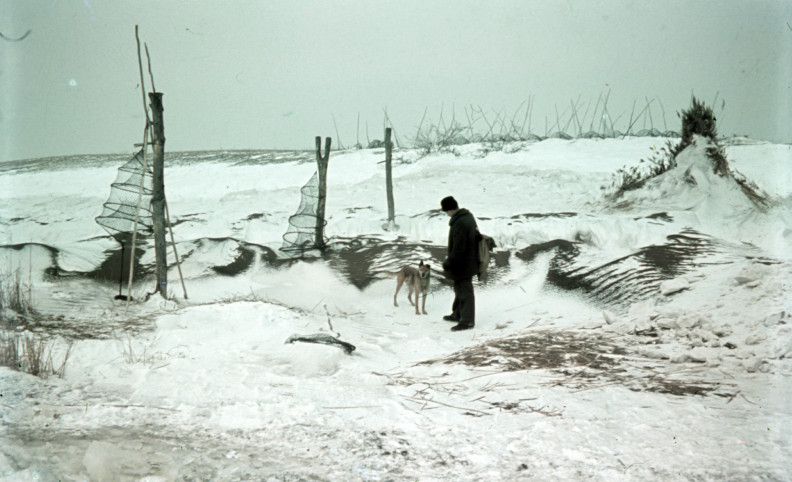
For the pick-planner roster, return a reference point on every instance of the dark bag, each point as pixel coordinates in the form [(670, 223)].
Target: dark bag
[(485, 244)]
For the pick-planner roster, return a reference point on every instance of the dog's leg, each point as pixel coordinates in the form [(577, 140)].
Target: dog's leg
[(416, 290), (423, 306), (409, 295), (399, 282)]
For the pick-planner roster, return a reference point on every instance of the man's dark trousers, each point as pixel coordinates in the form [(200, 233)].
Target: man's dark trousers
[(464, 307)]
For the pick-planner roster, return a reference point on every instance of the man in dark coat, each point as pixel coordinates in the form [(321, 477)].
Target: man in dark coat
[(462, 263)]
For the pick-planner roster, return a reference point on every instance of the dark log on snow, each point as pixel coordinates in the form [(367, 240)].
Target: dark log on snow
[(323, 339)]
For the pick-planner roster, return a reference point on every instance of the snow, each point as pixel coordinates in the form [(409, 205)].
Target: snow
[(688, 381)]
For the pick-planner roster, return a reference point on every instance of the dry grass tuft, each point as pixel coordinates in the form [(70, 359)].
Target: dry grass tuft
[(14, 295), (146, 356), (31, 353)]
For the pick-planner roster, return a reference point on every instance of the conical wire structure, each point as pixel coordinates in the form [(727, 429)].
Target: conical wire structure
[(118, 215), (301, 235)]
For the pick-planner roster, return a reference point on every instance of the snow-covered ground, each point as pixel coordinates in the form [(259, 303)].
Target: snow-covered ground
[(648, 338)]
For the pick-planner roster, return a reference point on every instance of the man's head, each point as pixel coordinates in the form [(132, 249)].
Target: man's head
[(449, 205)]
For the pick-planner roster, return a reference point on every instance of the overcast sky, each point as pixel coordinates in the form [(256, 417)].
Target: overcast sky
[(275, 73)]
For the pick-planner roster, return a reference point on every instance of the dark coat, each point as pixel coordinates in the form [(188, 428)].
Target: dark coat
[(462, 261)]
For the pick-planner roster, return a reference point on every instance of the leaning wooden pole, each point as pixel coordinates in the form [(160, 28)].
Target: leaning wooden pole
[(322, 162), (158, 193), (389, 178), (137, 213), (146, 131), (175, 252)]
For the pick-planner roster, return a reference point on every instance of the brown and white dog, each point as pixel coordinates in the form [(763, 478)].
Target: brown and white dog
[(417, 280)]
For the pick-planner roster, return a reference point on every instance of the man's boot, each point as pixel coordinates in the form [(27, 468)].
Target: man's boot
[(462, 326)]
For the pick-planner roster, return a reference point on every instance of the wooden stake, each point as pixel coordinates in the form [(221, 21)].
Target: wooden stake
[(585, 115), (665, 126), (158, 194), (631, 122), (420, 125), (338, 136), (395, 134), (163, 291), (530, 115), (636, 118), (594, 115), (389, 178), (322, 162), (470, 125), (575, 116), (606, 113), (121, 275)]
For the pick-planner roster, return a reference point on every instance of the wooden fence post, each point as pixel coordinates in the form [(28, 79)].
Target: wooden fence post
[(322, 161), (389, 180), (158, 193)]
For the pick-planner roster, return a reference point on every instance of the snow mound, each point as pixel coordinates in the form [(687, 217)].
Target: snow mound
[(694, 185)]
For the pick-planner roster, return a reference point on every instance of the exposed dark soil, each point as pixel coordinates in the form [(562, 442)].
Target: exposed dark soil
[(636, 276), (580, 360)]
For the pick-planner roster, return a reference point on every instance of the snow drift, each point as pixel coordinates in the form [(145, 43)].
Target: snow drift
[(648, 340)]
